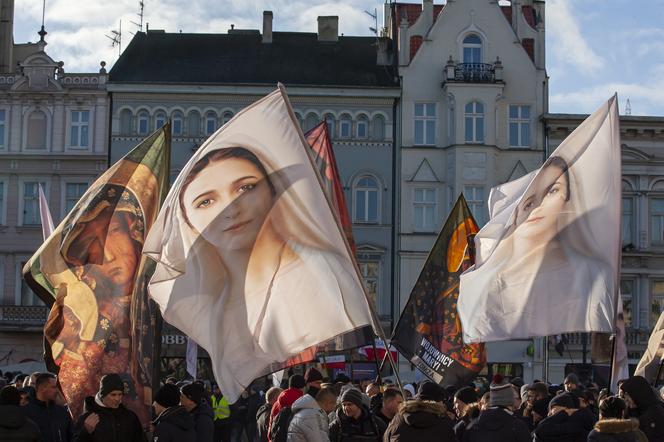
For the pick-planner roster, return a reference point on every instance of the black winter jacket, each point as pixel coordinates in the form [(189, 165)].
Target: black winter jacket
[(617, 430), (649, 411), (53, 420), (115, 424), (16, 427), (367, 428), (497, 425), (562, 427), (420, 421), (174, 424), (203, 422)]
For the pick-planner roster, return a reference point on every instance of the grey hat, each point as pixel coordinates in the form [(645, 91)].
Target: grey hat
[(501, 393), (353, 396)]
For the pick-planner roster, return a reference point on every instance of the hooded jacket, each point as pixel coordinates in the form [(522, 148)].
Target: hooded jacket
[(309, 422), (174, 424), (497, 425), (562, 427), (420, 421), (115, 424), (367, 428), (53, 420), (203, 422), (617, 430), (649, 411), (16, 427)]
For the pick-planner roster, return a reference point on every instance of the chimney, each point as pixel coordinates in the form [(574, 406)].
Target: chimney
[(267, 26), (7, 36), (328, 28)]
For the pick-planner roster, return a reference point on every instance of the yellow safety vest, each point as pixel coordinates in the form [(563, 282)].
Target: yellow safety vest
[(221, 408)]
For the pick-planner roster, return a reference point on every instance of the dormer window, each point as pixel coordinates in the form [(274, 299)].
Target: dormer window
[(472, 49)]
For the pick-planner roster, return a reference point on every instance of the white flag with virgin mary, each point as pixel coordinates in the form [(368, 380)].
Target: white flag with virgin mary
[(548, 261), (251, 261)]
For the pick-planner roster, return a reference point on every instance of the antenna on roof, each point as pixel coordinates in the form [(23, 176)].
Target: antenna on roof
[(373, 15), (116, 38), (628, 108), (42, 32), (141, 5)]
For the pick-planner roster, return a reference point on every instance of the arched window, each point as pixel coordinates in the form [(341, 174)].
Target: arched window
[(125, 122), (345, 125), (226, 117), (329, 119), (36, 138), (210, 123), (365, 200), (159, 120), (362, 127), (143, 125), (177, 123), (194, 124), (472, 49), (378, 128), (310, 122), (474, 122)]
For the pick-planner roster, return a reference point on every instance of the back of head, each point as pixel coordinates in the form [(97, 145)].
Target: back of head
[(467, 395), (540, 389), (272, 394), (390, 393), (430, 391), (641, 392), (296, 381), (325, 395), (10, 395), (168, 396), (501, 393), (194, 392), (612, 407)]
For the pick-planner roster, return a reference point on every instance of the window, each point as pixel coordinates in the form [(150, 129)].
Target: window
[(378, 128), (125, 122), (31, 203), (474, 122), (425, 124), (657, 221), (345, 124), (143, 123), (36, 135), (159, 120), (194, 124), (519, 125), (226, 117), (310, 122), (472, 49), (79, 130), (475, 198), (73, 193), (210, 123), (329, 120), (177, 128), (424, 208), (627, 292), (362, 128), (366, 200), (657, 303), (627, 221), (3, 125), (370, 276)]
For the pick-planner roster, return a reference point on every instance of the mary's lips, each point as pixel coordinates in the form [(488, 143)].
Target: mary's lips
[(236, 226)]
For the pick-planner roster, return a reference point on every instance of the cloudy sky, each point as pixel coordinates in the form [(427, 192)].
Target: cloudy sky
[(594, 47)]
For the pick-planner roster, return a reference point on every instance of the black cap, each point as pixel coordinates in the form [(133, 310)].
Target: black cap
[(430, 391), (10, 395), (565, 400), (193, 391), (296, 381), (168, 396), (111, 382)]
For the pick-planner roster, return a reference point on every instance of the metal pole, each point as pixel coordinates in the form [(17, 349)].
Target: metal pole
[(546, 358), (378, 376), (393, 365)]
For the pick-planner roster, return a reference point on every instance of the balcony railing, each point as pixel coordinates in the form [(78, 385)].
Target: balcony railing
[(23, 316), (473, 72)]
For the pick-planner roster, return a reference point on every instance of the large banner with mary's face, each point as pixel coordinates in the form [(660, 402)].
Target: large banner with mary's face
[(548, 260), (251, 260)]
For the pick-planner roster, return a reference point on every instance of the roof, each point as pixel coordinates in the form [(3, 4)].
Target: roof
[(293, 58)]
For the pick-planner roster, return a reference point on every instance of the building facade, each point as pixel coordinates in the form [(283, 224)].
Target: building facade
[(53, 133)]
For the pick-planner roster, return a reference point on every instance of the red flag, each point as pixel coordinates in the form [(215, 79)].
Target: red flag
[(319, 140)]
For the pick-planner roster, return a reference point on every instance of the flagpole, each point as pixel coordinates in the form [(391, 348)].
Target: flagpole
[(546, 358), (388, 354), (375, 353), (614, 336)]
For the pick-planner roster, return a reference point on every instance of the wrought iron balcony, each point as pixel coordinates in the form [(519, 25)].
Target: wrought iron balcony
[(473, 72), (23, 316)]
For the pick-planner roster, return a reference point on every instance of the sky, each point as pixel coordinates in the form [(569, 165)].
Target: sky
[(594, 47)]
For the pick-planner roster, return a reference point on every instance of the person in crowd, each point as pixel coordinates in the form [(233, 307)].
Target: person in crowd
[(409, 391), (372, 389), (353, 422), (571, 382), (466, 409), (612, 425), (239, 415), (375, 395), (498, 423), (422, 419), (643, 404), (484, 401), (313, 380), (281, 410), (222, 413), (263, 414), (537, 391), (14, 425), (309, 422), (192, 399), (565, 422), (25, 397), (539, 411), (392, 400), (105, 419), (53, 420), (173, 423), (18, 379)]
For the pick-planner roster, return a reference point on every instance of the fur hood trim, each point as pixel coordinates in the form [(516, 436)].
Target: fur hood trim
[(413, 406), (615, 426)]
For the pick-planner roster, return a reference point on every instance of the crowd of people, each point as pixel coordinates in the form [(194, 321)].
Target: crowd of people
[(310, 408)]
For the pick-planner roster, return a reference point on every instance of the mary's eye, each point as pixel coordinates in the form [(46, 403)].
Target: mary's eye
[(246, 188), (204, 203)]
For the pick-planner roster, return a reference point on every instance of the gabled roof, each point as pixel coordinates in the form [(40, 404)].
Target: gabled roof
[(293, 58)]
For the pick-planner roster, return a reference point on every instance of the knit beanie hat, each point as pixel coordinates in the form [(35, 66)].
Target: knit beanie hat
[(111, 382), (467, 395), (312, 375), (193, 391), (565, 400), (10, 395), (501, 393), (167, 396), (296, 381), (353, 396), (430, 391)]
